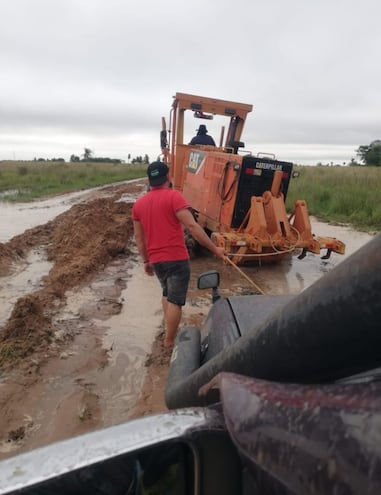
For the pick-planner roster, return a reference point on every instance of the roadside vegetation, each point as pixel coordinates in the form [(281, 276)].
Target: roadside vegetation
[(349, 195), (25, 181)]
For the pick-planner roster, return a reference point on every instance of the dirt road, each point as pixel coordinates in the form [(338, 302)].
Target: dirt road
[(80, 323)]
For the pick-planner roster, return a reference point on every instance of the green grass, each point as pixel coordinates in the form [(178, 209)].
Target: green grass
[(349, 195), (25, 181)]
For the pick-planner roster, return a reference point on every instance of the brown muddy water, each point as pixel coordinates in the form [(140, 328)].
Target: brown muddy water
[(127, 346), (291, 276)]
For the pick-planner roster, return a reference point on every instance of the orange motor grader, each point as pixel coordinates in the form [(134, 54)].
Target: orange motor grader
[(238, 198)]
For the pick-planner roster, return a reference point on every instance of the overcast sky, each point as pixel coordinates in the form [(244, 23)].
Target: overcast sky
[(101, 73)]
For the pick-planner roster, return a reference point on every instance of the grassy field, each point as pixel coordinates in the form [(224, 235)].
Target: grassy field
[(24, 181), (350, 195)]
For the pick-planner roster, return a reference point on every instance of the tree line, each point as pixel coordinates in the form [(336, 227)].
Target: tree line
[(370, 154), (88, 156)]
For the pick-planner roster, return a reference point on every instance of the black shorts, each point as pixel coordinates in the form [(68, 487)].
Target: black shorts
[(174, 279)]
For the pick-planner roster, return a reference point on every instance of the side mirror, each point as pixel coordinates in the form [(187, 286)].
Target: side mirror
[(208, 280), (198, 114), (163, 139), (235, 145)]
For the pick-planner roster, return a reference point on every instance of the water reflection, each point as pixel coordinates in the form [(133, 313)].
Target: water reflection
[(26, 279), (288, 277), (17, 217), (291, 275)]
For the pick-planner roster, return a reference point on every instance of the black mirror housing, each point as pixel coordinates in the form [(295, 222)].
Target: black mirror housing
[(208, 280)]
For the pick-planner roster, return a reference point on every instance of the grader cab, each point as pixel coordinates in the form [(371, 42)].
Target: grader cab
[(238, 198)]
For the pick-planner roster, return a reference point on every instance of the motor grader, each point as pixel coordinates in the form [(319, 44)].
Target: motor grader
[(237, 197)]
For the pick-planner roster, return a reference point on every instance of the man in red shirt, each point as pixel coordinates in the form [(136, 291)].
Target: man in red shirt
[(159, 218)]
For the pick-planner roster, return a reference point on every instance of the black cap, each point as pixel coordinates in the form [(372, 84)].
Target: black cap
[(157, 173), (202, 129)]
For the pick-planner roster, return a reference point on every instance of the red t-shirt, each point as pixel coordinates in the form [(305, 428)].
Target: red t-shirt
[(156, 211)]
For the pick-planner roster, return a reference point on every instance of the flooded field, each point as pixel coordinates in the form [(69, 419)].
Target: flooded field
[(104, 328)]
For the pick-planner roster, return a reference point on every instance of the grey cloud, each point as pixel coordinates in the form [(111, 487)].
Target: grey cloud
[(100, 69)]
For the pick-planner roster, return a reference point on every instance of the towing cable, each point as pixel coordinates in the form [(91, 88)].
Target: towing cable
[(244, 275)]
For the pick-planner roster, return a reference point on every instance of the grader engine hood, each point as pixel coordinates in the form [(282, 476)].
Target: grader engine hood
[(256, 177)]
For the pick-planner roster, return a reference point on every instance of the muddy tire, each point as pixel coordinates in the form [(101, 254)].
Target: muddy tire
[(192, 245)]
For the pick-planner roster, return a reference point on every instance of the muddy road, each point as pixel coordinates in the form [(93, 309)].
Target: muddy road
[(80, 322)]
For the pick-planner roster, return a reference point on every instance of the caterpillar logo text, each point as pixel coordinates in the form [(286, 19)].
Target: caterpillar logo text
[(196, 159), (268, 166)]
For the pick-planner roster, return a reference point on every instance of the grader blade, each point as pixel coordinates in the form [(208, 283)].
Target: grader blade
[(268, 234)]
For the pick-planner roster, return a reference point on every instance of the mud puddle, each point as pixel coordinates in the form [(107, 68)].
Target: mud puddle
[(106, 329), (18, 217), (291, 275), (25, 278), (287, 277), (97, 378), (128, 322)]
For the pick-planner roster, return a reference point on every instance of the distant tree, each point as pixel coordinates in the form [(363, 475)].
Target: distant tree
[(100, 159), (137, 159), (370, 154), (129, 157), (146, 159), (87, 154), (353, 163), (74, 158)]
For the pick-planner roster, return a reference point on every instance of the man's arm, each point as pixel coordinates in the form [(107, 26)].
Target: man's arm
[(140, 240), (188, 221)]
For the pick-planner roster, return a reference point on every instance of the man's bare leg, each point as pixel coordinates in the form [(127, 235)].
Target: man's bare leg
[(172, 318), (164, 304)]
